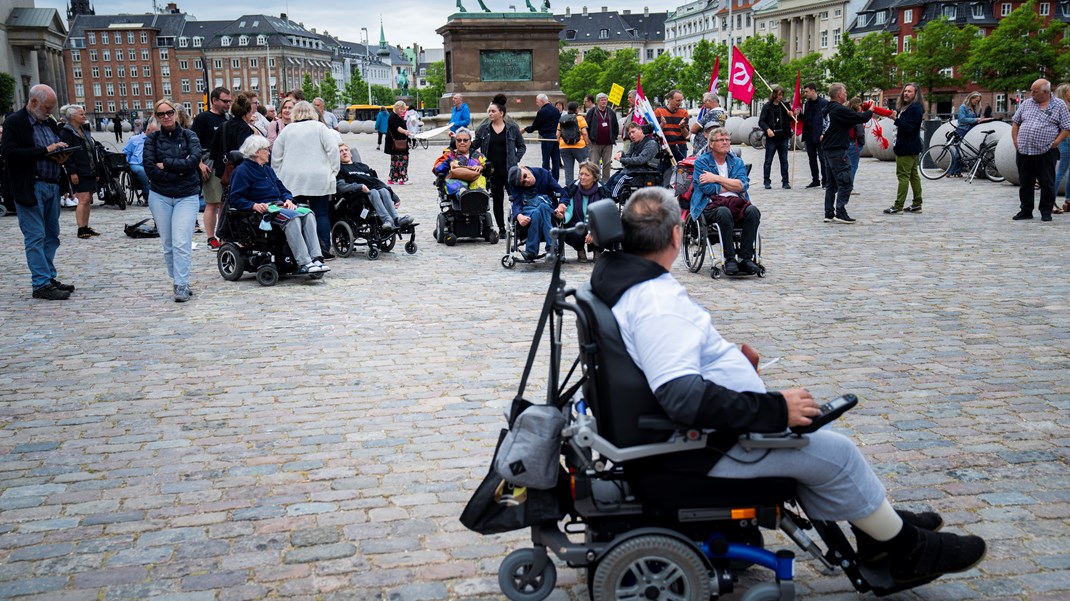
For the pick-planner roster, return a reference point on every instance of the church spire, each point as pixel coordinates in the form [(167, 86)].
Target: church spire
[(384, 50)]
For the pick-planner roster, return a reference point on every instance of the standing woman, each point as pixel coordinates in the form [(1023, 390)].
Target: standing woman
[(572, 152), (233, 133), (397, 145), (380, 126), (969, 115), (500, 141), (82, 166), (172, 159), (1062, 172), (282, 119), (305, 157)]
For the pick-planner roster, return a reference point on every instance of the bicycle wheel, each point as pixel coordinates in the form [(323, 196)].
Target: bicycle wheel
[(936, 161), (756, 138), (988, 166)]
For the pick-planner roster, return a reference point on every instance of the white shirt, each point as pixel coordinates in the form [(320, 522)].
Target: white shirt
[(668, 336), (722, 170)]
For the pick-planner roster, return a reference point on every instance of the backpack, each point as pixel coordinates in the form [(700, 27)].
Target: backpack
[(142, 229), (570, 129)]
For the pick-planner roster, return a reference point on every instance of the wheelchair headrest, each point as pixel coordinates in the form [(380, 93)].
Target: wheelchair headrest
[(235, 157), (603, 219)]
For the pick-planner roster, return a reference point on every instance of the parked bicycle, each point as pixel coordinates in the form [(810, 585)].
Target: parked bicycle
[(937, 160), (756, 138)]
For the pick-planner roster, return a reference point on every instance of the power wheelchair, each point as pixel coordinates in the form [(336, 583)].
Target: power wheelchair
[(642, 534), (463, 214)]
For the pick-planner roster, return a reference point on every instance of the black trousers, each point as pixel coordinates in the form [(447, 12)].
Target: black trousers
[(817, 162), (1032, 169), (840, 182), (497, 193), (722, 216), (776, 146), (551, 158)]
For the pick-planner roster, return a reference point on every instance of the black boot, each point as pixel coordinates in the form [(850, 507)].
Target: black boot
[(871, 550), (921, 555)]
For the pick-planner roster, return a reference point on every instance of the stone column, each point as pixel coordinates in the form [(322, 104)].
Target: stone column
[(785, 32)]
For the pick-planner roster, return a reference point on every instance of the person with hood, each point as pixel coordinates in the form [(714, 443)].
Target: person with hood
[(839, 120), (380, 126)]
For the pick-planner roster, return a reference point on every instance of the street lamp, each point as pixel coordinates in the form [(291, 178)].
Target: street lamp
[(367, 59)]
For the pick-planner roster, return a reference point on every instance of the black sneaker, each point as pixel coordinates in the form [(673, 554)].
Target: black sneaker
[(935, 554), (528, 256), (731, 268), (786, 186), (844, 218), (1045, 216), (748, 267), (61, 286), (50, 292), (1020, 216), (892, 211), (327, 256), (913, 209), (871, 551), (768, 186), (814, 185), (829, 218)]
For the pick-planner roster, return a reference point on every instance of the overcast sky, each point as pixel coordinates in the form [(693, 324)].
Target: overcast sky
[(404, 22)]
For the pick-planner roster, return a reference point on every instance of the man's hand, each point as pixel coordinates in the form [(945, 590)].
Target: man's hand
[(708, 177), (616, 157), (801, 406), (769, 133), (523, 219), (56, 146)]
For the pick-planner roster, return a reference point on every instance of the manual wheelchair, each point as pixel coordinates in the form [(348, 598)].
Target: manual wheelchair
[(354, 223), (648, 534)]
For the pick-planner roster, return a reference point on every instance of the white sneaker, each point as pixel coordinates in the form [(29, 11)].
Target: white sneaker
[(318, 268), (194, 246)]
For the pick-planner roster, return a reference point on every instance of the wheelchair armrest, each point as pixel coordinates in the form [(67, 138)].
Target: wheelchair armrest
[(780, 440), (660, 422)]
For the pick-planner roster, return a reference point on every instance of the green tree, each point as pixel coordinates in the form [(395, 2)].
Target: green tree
[(382, 95), (7, 93), (436, 83), (567, 59), (329, 91), (1018, 51), (661, 75), (596, 55), (356, 91), (848, 66), (581, 80), (696, 78), (766, 55), (621, 69), (310, 89), (878, 51), (812, 68), (938, 47)]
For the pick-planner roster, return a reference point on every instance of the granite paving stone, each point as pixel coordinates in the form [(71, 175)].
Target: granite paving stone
[(319, 439)]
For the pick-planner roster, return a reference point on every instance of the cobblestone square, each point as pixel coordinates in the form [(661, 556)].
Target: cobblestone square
[(318, 440)]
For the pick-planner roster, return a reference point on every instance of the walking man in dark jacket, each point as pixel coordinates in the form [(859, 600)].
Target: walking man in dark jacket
[(907, 149), (775, 122), (546, 124), (839, 120), (33, 180), (813, 116)]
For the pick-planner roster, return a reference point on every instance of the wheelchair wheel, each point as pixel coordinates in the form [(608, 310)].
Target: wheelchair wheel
[(373, 253), (231, 262), (450, 239), (410, 247), (519, 584), (422, 142), (267, 275), (756, 138), (652, 567), (694, 245), (342, 239), (492, 236), (508, 261), (387, 245), (716, 273), (440, 228)]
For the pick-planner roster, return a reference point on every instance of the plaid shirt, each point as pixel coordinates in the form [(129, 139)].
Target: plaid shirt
[(44, 137), (1038, 128)]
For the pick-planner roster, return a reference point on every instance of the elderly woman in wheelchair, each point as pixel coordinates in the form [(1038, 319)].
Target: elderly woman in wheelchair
[(255, 187), (537, 201), (461, 178)]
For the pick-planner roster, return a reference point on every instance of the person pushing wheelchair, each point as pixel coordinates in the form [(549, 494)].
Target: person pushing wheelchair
[(703, 381)]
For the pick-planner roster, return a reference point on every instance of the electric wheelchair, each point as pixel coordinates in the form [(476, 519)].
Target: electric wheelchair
[(463, 214), (644, 534), (354, 223)]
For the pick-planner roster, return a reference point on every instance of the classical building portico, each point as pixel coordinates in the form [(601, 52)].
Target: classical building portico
[(806, 26), (31, 48)]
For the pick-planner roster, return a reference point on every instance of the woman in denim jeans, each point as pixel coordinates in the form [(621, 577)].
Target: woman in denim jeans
[(1062, 172), (172, 158)]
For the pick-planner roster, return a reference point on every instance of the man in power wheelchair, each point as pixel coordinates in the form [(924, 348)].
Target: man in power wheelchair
[(364, 211), (641, 164), (257, 208), (667, 479), (719, 205), (538, 201), (461, 181)]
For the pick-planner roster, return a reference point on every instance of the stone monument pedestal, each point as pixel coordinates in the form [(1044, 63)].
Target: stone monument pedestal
[(515, 54)]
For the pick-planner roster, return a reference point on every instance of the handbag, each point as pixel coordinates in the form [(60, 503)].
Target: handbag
[(402, 144), (498, 506), (227, 170)]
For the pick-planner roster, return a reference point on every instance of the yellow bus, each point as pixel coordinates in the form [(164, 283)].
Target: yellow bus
[(363, 112)]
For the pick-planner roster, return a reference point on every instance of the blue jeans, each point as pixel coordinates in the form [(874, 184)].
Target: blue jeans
[(40, 233), (539, 228), (320, 206), (1062, 172), (854, 153), (174, 220), (142, 179), (572, 157)]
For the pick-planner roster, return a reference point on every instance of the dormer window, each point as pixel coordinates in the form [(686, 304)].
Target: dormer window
[(978, 11), (197, 41), (880, 18), (225, 41), (183, 42), (603, 34), (949, 11), (570, 34), (261, 40), (243, 40)]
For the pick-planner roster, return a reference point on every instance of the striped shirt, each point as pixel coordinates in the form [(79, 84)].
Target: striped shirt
[(672, 123), (43, 136)]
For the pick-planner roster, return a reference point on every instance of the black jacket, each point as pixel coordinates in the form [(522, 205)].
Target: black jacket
[(514, 143), (228, 137), (354, 175), (545, 122), (812, 116), (179, 151), (593, 125), (908, 131), (20, 155), (776, 118), (83, 162), (839, 120)]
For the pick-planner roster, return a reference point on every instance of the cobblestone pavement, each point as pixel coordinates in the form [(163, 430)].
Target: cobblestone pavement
[(317, 440)]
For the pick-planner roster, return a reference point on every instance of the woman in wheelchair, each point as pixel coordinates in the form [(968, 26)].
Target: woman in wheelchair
[(537, 199), (358, 177), (255, 187), (463, 166), (581, 193), (721, 184), (703, 381)]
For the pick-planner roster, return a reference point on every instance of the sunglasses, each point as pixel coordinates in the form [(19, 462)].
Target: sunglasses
[(170, 113), (462, 140)]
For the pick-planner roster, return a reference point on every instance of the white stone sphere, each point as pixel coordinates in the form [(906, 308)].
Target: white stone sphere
[(881, 150), (749, 125), (343, 127), (977, 133), (940, 137), (127, 127), (864, 151), (1007, 159), (733, 125), (369, 127)]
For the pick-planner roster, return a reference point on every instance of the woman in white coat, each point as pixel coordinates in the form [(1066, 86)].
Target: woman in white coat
[(305, 157)]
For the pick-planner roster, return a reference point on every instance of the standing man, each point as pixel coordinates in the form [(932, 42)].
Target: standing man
[(907, 149), (673, 119), (460, 116), (775, 122), (329, 118), (603, 129), (33, 180), (588, 102), (711, 113), (1040, 124), (813, 115), (205, 125), (838, 121), (545, 123)]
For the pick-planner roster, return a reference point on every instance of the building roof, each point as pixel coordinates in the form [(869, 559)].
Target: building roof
[(168, 24), (31, 17), (870, 12), (278, 32), (588, 28)]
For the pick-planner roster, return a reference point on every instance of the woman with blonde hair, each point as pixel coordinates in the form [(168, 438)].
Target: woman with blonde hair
[(282, 119), (172, 161), (397, 145), (305, 157)]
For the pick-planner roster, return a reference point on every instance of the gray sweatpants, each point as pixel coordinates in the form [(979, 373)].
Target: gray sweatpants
[(301, 236), (835, 481)]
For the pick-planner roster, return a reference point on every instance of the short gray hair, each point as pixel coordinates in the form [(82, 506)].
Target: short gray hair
[(542, 97), (601, 96), (649, 218), (68, 110), (253, 145), (304, 111), (711, 97), (464, 130)]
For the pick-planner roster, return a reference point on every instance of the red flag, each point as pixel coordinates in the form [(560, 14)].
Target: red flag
[(714, 77), (741, 79), (796, 101)]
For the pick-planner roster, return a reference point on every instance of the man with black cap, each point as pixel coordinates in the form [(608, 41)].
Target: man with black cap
[(536, 197)]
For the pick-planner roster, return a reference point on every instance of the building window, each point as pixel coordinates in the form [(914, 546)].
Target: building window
[(95, 72), (107, 71), (838, 12), (163, 54), (98, 106), (200, 84), (137, 105), (188, 107), (148, 88), (183, 42), (122, 88), (165, 70), (110, 89), (118, 38), (96, 89), (908, 15), (235, 63), (166, 88), (978, 11), (570, 34), (77, 72), (111, 107), (863, 20), (225, 41), (144, 55), (144, 37), (79, 91), (107, 55), (197, 64), (825, 39), (1045, 9), (880, 17), (603, 34), (761, 26), (243, 40), (121, 71), (906, 43), (217, 63), (1001, 103), (185, 86), (183, 64), (197, 41), (129, 37), (947, 72), (135, 89), (146, 71), (950, 11), (1004, 10), (76, 56), (92, 38), (261, 40), (93, 56), (724, 22), (748, 19), (271, 63), (104, 39), (254, 62)]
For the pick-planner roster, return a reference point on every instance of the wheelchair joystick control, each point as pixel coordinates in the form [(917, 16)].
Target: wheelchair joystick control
[(830, 411)]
